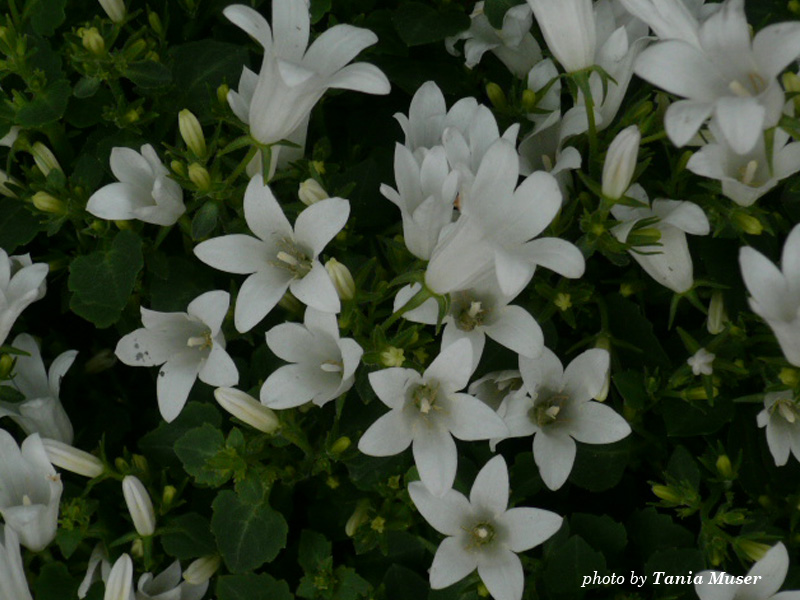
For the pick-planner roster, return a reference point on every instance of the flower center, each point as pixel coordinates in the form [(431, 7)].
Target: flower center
[(201, 342), (424, 397), (753, 85), (471, 316), (747, 173), (293, 259), (482, 534), (26, 500), (546, 412), (788, 409)]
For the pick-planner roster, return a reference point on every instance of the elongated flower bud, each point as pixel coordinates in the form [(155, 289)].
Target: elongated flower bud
[(72, 459), (47, 203), (724, 466), (115, 9), (119, 585), (358, 518), (342, 279), (311, 191), (139, 505), (754, 550), (199, 176), (717, 316), (202, 569), (192, 132), (621, 162), (247, 409), (44, 158), (92, 40)]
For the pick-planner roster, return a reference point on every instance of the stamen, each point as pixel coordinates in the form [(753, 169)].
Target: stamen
[(547, 162), (787, 412), (330, 366), (737, 88), (200, 341), (748, 172), (26, 501)]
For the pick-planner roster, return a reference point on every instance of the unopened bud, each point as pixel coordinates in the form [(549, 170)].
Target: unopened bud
[(340, 445), (222, 93), (123, 224), (753, 550), (199, 176), (604, 343), (724, 466), (528, 101), (133, 51), (72, 459), (496, 95), (342, 279), (290, 303), (6, 364), (667, 493), (393, 357), (646, 236), (358, 518), (794, 6), (92, 40), (311, 191), (620, 162), (247, 409), (139, 505), (378, 524), (155, 22), (137, 548), (201, 569), (4, 190), (168, 495), (563, 301), (115, 9), (119, 585), (49, 204), (789, 377), (178, 168), (139, 463), (717, 315), (132, 116), (44, 158), (319, 166), (102, 361), (747, 223), (192, 132)]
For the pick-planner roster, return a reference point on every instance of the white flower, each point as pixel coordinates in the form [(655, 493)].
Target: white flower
[(781, 417), (483, 533), (293, 77), (323, 366), (119, 585), (13, 585), (568, 27), (746, 177), (41, 412), (280, 257), (728, 75), (144, 190), (139, 504), (479, 311), (558, 409), (427, 411), (669, 261), (21, 283), (513, 44), (188, 345), (496, 229), (168, 586), (701, 362), (30, 490), (766, 575), (64, 456), (620, 162), (775, 295), (492, 388), (247, 409)]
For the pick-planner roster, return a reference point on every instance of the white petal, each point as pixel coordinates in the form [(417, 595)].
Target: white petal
[(585, 376), (337, 46), (146, 348), (672, 265), (554, 454), (503, 576), (684, 118), (318, 224), (290, 25), (697, 78), (470, 419), (175, 380), (445, 513), (517, 330), (390, 385), (776, 46), (235, 253), (351, 356), (513, 271), (766, 284), (597, 423), (130, 167), (316, 290), (741, 121), (545, 371), (387, 436), (490, 490), (772, 569), (290, 386), (454, 365), (436, 458), (219, 369), (251, 22), (291, 342), (790, 258), (58, 369), (211, 308), (529, 527), (451, 563), (558, 255), (258, 296), (686, 216), (117, 201), (779, 440), (262, 212), (30, 378), (361, 77)]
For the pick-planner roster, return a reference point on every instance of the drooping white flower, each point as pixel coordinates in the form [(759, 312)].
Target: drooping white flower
[(324, 365), (781, 417), (620, 162), (119, 585), (21, 283), (30, 491), (763, 580), (188, 345), (41, 412), (427, 411), (513, 44), (277, 101), (728, 76), (279, 257), (568, 27), (144, 190), (168, 585), (775, 294), (496, 229), (556, 407), (483, 533), (13, 585), (669, 261), (701, 362), (746, 177)]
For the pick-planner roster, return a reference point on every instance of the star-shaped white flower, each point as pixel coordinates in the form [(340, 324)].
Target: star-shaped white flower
[(766, 575), (701, 362), (427, 411), (188, 345), (556, 406), (144, 190), (775, 294), (21, 283), (781, 418), (483, 533), (279, 257), (324, 365), (41, 412)]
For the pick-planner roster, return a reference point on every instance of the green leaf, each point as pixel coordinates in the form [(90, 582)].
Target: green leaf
[(495, 10), (684, 468), (566, 566), (650, 531), (600, 531), (68, 540), (18, 225), (314, 551), (248, 535), (671, 562), (46, 107), (185, 281), (685, 419), (196, 449), (419, 23), (86, 87), (631, 386), (55, 583), (188, 536), (252, 587), (629, 325), (102, 282), (318, 9), (402, 583), (46, 15), (349, 584), (148, 74), (159, 444), (205, 220), (600, 467)]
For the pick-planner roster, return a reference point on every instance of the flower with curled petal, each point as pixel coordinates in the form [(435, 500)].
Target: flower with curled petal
[(21, 283), (483, 533)]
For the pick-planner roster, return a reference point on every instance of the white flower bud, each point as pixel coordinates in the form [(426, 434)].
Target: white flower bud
[(44, 158), (71, 459), (192, 132), (358, 518), (247, 409), (311, 191), (139, 505), (717, 315), (119, 585), (115, 9), (342, 279), (202, 569), (621, 162)]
